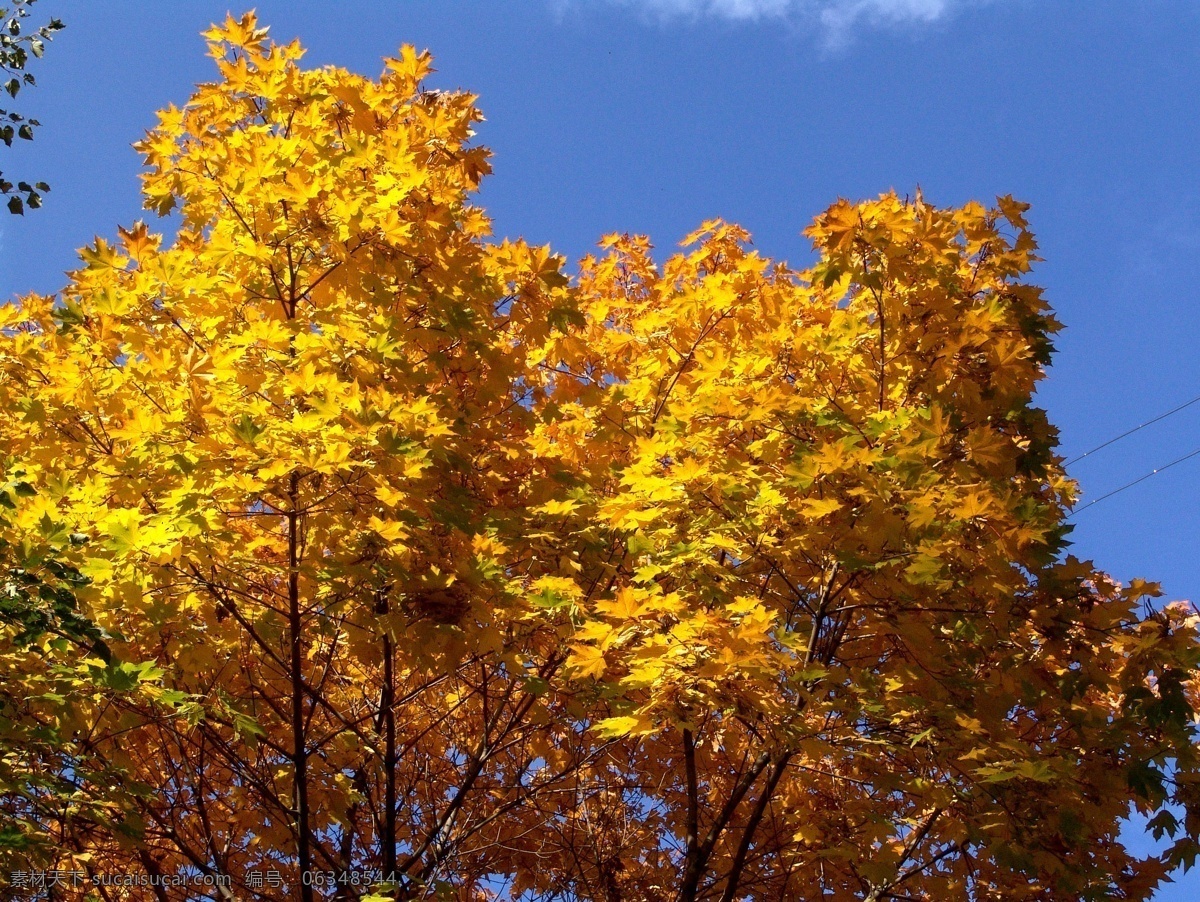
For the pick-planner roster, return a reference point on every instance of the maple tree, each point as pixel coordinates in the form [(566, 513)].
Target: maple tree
[(448, 576)]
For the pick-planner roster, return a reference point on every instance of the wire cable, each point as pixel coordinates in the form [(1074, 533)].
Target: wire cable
[(1130, 485), (1162, 416)]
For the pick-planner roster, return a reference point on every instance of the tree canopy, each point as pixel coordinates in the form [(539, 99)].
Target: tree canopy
[(454, 576)]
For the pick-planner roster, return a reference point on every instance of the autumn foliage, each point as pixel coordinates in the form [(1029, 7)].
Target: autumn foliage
[(383, 549)]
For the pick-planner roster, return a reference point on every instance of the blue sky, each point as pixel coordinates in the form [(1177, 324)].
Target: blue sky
[(654, 115)]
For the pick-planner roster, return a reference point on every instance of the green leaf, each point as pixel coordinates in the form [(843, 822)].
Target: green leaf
[(640, 544), (13, 838), (247, 728), (173, 697), (247, 430), (536, 686), (920, 737), (126, 675)]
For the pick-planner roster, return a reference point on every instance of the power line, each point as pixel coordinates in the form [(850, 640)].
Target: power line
[(1130, 485), (1161, 416)]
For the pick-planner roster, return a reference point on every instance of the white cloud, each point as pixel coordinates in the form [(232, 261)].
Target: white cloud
[(727, 9), (846, 12), (835, 17)]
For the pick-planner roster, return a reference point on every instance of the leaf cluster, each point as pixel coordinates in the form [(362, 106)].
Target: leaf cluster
[(17, 45)]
